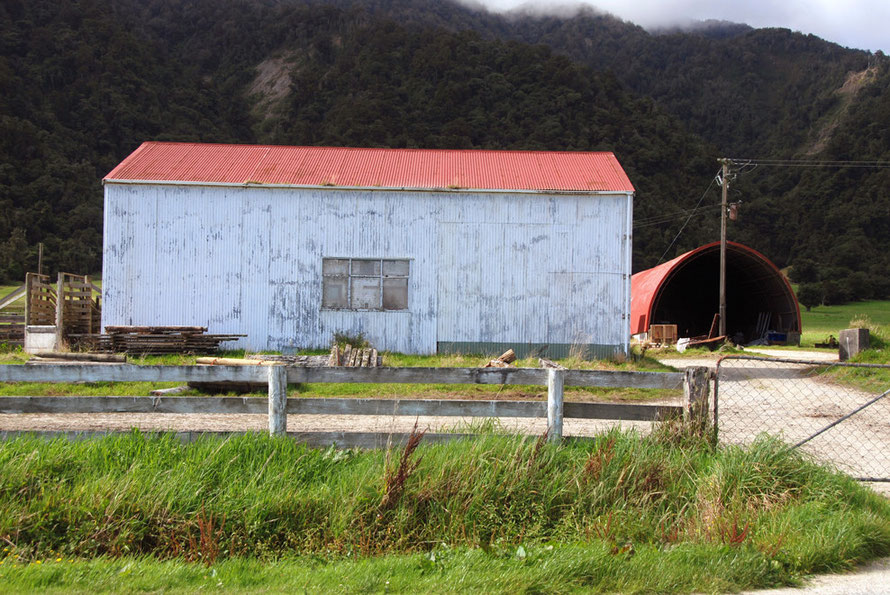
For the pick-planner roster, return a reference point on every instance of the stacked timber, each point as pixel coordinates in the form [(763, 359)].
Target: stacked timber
[(350, 357), (154, 340)]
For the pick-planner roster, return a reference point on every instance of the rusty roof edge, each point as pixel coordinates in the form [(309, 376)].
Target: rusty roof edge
[(122, 181)]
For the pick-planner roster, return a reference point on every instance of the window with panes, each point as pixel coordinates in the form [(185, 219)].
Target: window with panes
[(365, 283)]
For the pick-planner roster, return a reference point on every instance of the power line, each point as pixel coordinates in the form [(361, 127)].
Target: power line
[(660, 219), (705, 193), (811, 163)]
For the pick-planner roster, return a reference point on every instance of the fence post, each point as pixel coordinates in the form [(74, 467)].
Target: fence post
[(555, 382), (696, 389), (28, 298), (277, 400), (60, 312)]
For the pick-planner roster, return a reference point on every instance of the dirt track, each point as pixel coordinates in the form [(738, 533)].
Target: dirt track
[(792, 401)]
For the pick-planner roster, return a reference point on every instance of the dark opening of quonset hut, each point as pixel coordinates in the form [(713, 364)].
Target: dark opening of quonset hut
[(760, 304)]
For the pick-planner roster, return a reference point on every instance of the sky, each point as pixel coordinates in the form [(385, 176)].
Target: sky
[(861, 24)]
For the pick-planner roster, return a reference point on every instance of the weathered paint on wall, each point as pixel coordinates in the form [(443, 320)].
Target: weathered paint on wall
[(485, 267)]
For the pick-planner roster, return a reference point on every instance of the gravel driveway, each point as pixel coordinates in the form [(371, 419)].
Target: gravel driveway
[(792, 401)]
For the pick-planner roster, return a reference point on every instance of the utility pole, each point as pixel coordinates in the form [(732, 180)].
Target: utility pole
[(725, 184)]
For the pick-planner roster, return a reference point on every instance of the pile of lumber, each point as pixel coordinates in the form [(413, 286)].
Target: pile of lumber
[(350, 357), (153, 340)]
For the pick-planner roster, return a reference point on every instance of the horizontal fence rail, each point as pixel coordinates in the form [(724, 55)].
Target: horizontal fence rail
[(278, 406), (297, 406), (297, 375)]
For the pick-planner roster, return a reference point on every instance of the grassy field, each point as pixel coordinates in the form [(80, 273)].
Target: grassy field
[(18, 306), (623, 512), (822, 321)]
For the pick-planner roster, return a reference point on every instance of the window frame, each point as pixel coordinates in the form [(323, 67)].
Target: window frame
[(355, 275)]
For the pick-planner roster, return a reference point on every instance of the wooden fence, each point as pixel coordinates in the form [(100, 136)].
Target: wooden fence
[(12, 324), (278, 406), (69, 304), (40, 304)]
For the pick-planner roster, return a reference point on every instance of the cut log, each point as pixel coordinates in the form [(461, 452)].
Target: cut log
[(334, 359), (503, 361), (496, 363), (81, 357), (508, 357)]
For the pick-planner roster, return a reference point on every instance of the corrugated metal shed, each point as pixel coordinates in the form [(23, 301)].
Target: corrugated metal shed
[(373, 168), (684, 291), (529, 250)]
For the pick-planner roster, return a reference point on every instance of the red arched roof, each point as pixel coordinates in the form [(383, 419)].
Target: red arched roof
[(648, 286)]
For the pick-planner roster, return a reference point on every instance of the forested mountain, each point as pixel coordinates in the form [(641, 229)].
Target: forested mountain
[(83, 82)]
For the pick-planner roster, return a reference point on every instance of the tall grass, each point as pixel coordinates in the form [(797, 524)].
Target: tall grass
[(259, 497)]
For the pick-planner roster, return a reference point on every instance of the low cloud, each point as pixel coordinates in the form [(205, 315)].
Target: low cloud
[(855, 23)]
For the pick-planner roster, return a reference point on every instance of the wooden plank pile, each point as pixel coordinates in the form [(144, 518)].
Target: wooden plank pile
[(153, 340), (350, 357)]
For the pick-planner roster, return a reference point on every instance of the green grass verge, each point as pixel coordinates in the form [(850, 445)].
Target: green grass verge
[(623, 512), (523, 569), (401, 391)]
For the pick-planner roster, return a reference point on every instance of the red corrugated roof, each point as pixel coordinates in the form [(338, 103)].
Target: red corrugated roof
[(386, 168)]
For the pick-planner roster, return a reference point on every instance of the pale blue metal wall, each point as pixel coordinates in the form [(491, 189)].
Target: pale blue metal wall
[(486, 268)]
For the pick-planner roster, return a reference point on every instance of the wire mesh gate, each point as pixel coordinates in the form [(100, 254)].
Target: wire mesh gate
[(837, 412)]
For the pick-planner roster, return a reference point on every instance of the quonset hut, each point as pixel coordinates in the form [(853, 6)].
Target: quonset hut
[(685, 291), (422, 251)]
